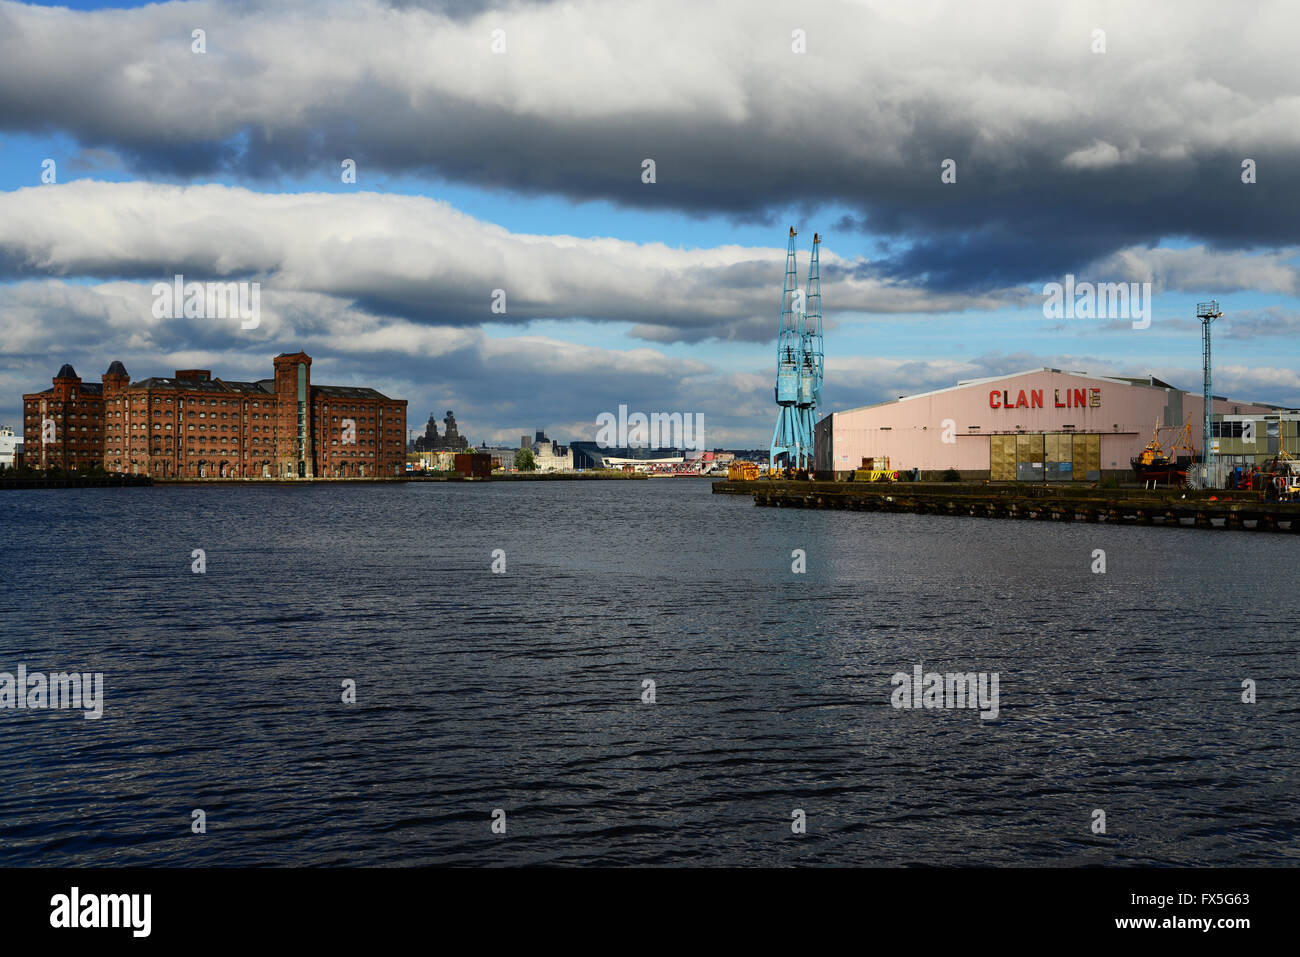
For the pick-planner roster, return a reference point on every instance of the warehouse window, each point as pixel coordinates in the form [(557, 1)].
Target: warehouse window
[(1227, 430)]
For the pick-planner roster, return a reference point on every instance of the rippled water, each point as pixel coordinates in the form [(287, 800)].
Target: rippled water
[(522, 691)]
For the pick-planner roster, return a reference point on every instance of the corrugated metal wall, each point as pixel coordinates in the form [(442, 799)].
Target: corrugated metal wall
[(1044, 456)]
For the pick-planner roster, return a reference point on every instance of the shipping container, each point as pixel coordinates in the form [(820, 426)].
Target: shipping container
[(473, 464)]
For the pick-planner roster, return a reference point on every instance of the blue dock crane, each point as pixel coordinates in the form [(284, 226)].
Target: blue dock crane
[(812, 360), (787, 444)]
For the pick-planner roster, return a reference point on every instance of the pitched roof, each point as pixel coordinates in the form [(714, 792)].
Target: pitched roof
[(161, 384), (349, 392), (86, 388), (1145, 381)]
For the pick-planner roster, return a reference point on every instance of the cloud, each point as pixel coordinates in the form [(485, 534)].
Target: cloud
[(1200, 268), (500, 387), (1273, 322), (857, 381), (1097, 156), (1063, 155), (420, 260), (94, 161)]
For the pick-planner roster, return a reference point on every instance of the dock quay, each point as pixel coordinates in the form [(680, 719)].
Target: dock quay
[(25, 480), (1169, 508)]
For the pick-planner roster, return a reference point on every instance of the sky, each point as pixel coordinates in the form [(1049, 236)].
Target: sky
[(502, 146)]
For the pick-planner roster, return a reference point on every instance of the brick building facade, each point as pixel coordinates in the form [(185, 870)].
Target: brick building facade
[(195, 426)]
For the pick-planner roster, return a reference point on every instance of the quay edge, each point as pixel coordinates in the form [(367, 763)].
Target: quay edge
[(1170, 508)]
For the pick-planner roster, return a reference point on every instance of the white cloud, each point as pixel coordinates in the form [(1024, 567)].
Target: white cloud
[(1097, 156), (1198, 268), (420, 259)]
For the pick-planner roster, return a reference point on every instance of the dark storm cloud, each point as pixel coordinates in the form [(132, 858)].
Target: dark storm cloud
[(1063, 155)]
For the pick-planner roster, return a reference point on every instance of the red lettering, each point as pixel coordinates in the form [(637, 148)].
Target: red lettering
[(1037, 397), (1057, 399), (993, 400), (1021, 403), (1080, 398)]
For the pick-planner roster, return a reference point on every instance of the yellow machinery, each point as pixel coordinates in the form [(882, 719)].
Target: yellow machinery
[(875, 469), (874, 475), (738, 471)]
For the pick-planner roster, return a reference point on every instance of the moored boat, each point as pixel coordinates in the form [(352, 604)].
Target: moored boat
[(1159, 465)]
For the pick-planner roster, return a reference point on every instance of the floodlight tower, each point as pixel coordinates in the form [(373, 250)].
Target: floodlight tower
[(1207, 312), (786, 439), (811, 360)]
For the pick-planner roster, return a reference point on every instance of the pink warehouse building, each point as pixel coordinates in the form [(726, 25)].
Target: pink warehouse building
[(1040, 425)]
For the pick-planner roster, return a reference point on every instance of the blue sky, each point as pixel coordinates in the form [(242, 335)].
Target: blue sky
[(1061, 167)]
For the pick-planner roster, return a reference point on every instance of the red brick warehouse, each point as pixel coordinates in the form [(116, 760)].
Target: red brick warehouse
[(195, 426)]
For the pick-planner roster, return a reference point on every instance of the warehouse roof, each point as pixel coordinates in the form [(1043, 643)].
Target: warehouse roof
[(1149, 382), (161, 384), (86, 388), (349, 392)]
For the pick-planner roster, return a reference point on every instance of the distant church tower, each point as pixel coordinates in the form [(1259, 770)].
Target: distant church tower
[(431, 441)]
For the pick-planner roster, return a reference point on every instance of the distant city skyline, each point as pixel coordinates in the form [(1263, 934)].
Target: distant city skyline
[(386, 181)]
